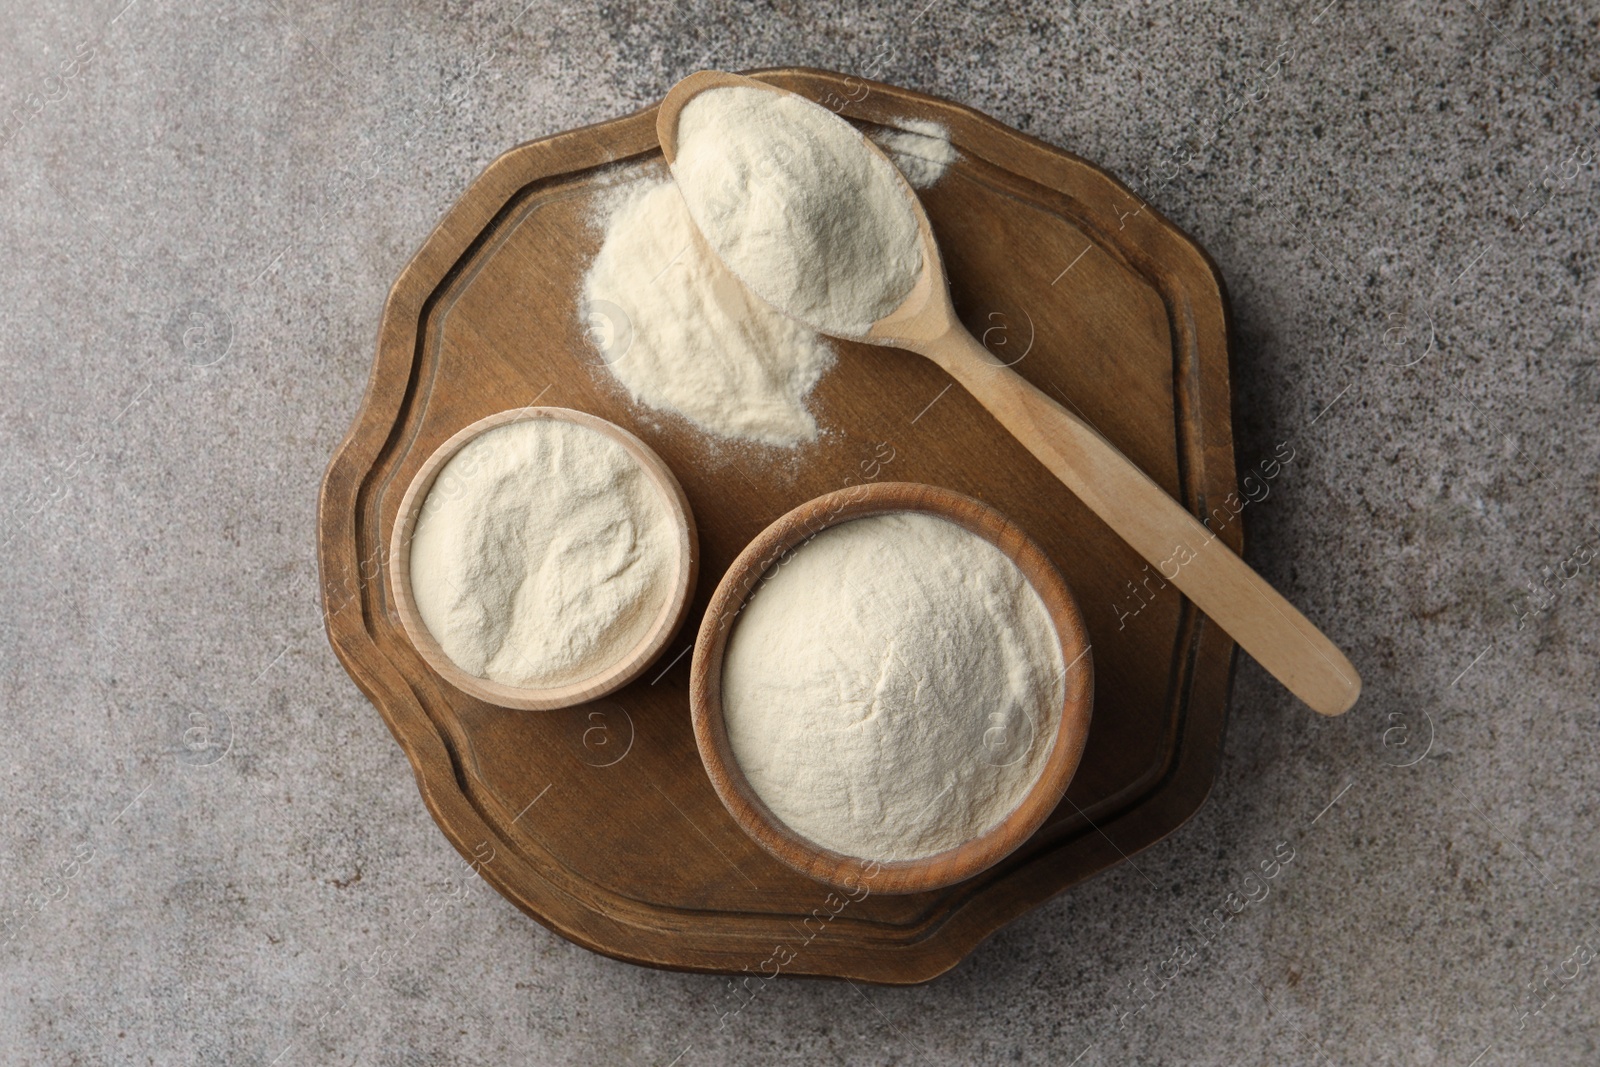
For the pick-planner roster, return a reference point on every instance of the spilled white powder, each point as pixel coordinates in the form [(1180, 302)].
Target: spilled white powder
[(688, 337), (798, 206), (891, 689), (683, 335), (542, 554), (919, 148)]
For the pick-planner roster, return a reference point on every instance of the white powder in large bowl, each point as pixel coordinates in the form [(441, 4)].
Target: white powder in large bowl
[(791, 197), (892, 689), (542, 554)]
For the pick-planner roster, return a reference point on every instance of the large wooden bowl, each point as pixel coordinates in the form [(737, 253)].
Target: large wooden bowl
[(668, 618), (1065, 735)]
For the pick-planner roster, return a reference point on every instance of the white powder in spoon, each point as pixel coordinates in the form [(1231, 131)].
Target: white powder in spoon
[(542, 554), (683, 335), (890, 691), (795, 202)]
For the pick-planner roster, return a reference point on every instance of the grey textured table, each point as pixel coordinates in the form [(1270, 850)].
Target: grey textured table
[(214, 852)]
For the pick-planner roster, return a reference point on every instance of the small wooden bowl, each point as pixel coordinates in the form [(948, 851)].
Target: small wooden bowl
[(710, 730), (635, 662)]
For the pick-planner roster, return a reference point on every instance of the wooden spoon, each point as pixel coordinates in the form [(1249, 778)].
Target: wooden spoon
[(1187, 554)]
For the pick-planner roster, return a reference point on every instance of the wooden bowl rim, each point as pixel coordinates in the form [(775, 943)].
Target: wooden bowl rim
[(733, 592), (644, 652)]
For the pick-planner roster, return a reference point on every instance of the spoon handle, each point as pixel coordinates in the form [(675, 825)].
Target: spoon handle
[(1187, 554)]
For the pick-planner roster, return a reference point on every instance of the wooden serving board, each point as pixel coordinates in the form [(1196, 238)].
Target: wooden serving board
[(625, 848)]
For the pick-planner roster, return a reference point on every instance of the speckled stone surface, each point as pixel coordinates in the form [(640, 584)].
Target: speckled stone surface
[(213, 852)]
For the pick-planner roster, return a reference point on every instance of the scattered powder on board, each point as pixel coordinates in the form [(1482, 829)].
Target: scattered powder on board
[(888, 690), (792, 199), (683, 335), (920, 148), (542, 554)]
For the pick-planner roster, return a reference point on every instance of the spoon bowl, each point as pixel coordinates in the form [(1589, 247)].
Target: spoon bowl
[(925, 312)]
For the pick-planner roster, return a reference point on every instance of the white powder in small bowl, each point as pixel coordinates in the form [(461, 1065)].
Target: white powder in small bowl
[(542, 554), (891, 690)]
